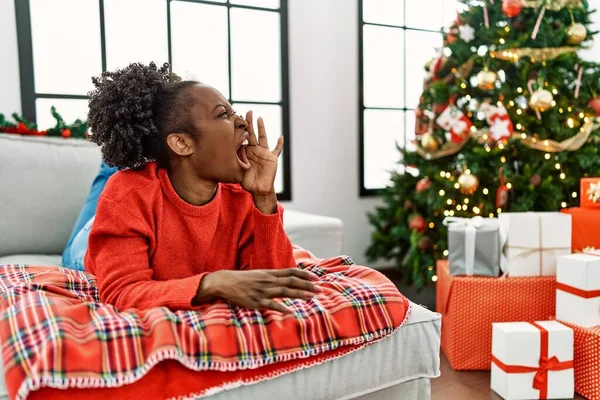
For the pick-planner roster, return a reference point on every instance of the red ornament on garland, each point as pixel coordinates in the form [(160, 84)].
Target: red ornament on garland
[(512, 8), (595, 104), (417, 223), (423, 185), (66, 133)]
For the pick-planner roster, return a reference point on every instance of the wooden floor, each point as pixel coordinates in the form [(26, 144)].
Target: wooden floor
[(470, 385)]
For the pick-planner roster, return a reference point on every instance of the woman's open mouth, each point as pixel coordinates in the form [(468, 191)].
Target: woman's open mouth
[(241, 154)]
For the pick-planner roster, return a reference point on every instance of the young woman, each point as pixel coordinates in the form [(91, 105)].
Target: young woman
[(193, 215)]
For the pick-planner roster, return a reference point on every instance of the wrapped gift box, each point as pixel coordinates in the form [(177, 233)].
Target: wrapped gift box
[(535, 241), (470, 304), (586, 227), (532, 360), (474, 245), (590, 192), (587, 361), (578, 289)]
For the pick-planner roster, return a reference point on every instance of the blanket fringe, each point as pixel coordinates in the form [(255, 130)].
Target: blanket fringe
[(31, 384)]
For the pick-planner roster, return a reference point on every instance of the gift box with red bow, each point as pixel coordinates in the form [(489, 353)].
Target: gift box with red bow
[(532, 360), (578, 289)]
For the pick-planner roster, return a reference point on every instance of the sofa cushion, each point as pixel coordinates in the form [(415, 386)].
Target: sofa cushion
[(32, 259), (44, 182)]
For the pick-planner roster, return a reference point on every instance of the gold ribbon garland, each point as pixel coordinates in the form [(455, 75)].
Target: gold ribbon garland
[(448, 149), (571, 144), (554, 5), (535, 54)]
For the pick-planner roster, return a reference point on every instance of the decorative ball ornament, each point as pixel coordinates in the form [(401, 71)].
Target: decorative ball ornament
[(423, 185), (417, 223), (486, 79), (429, 142), (425, 244), (541, 100), (535, 180), (512, 8), (576, 33), (468, 183), (595, 105)]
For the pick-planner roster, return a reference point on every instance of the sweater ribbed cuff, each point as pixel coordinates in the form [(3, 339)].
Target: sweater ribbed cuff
[(268, 227), (184, 291)]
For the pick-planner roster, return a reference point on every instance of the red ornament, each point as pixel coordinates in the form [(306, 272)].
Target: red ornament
[(423, 185), (502, 192), (66, 133), (450, 38), (417, 223), (595, 104), (512, 8)]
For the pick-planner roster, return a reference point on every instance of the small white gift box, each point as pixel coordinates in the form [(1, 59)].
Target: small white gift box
[(532, 360), (535, 241), (578, 289)]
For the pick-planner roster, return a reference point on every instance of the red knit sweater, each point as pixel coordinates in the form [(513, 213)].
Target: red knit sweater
[(149, 248)]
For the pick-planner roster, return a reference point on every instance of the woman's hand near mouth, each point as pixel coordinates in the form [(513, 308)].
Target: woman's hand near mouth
[(260, 177)]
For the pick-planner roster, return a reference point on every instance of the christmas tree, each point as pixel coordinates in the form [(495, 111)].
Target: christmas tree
[(508, 121)]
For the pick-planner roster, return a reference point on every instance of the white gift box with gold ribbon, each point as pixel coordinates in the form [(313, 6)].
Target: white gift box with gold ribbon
[(535, 241)]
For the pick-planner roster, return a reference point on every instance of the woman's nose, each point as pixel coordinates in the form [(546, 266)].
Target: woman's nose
[(240, 122)]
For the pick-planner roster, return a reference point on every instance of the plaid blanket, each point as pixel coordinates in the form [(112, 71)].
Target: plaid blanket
[(56, 334)]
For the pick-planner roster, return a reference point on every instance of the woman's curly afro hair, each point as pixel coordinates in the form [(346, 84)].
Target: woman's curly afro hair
[(133, 109)]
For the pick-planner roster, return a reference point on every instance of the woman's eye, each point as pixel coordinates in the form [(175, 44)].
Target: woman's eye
[(224, 114)]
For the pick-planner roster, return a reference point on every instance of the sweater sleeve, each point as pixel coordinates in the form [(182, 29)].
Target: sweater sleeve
[(264, 243), (118, 255)]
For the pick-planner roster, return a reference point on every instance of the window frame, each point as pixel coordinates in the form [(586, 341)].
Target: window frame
[(363, 190), (29, 96)]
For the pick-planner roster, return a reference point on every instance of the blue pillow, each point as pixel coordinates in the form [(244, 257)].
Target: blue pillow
[(77, 245)]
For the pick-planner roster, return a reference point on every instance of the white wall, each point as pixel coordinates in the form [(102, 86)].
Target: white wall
[(323, 46), (10, 87)]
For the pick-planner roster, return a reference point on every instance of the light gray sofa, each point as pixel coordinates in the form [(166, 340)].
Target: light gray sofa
[(43, 184)]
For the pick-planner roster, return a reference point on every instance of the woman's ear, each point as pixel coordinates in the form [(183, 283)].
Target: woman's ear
[(181, 144)]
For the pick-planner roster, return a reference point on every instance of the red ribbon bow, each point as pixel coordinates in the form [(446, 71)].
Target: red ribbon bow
[(540, 381)]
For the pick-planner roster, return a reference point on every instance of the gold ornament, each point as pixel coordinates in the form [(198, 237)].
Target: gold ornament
[(468, 183), (486, 79), (576, 33), (429, 142), (541, 100)]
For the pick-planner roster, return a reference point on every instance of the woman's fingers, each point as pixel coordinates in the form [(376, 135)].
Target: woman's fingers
[(300, 273), (250, 128), (283, 291), (262, 133), (271, 304), (279, 147)]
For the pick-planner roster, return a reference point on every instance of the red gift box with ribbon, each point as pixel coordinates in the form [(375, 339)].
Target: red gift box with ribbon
[(587, 360), (532, 360), (585, 234), (590, 193), (470, 304)]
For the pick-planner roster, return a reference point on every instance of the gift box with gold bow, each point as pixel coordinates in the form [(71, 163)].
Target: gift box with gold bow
[(535, 241), (590, 192), (532, 360)]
